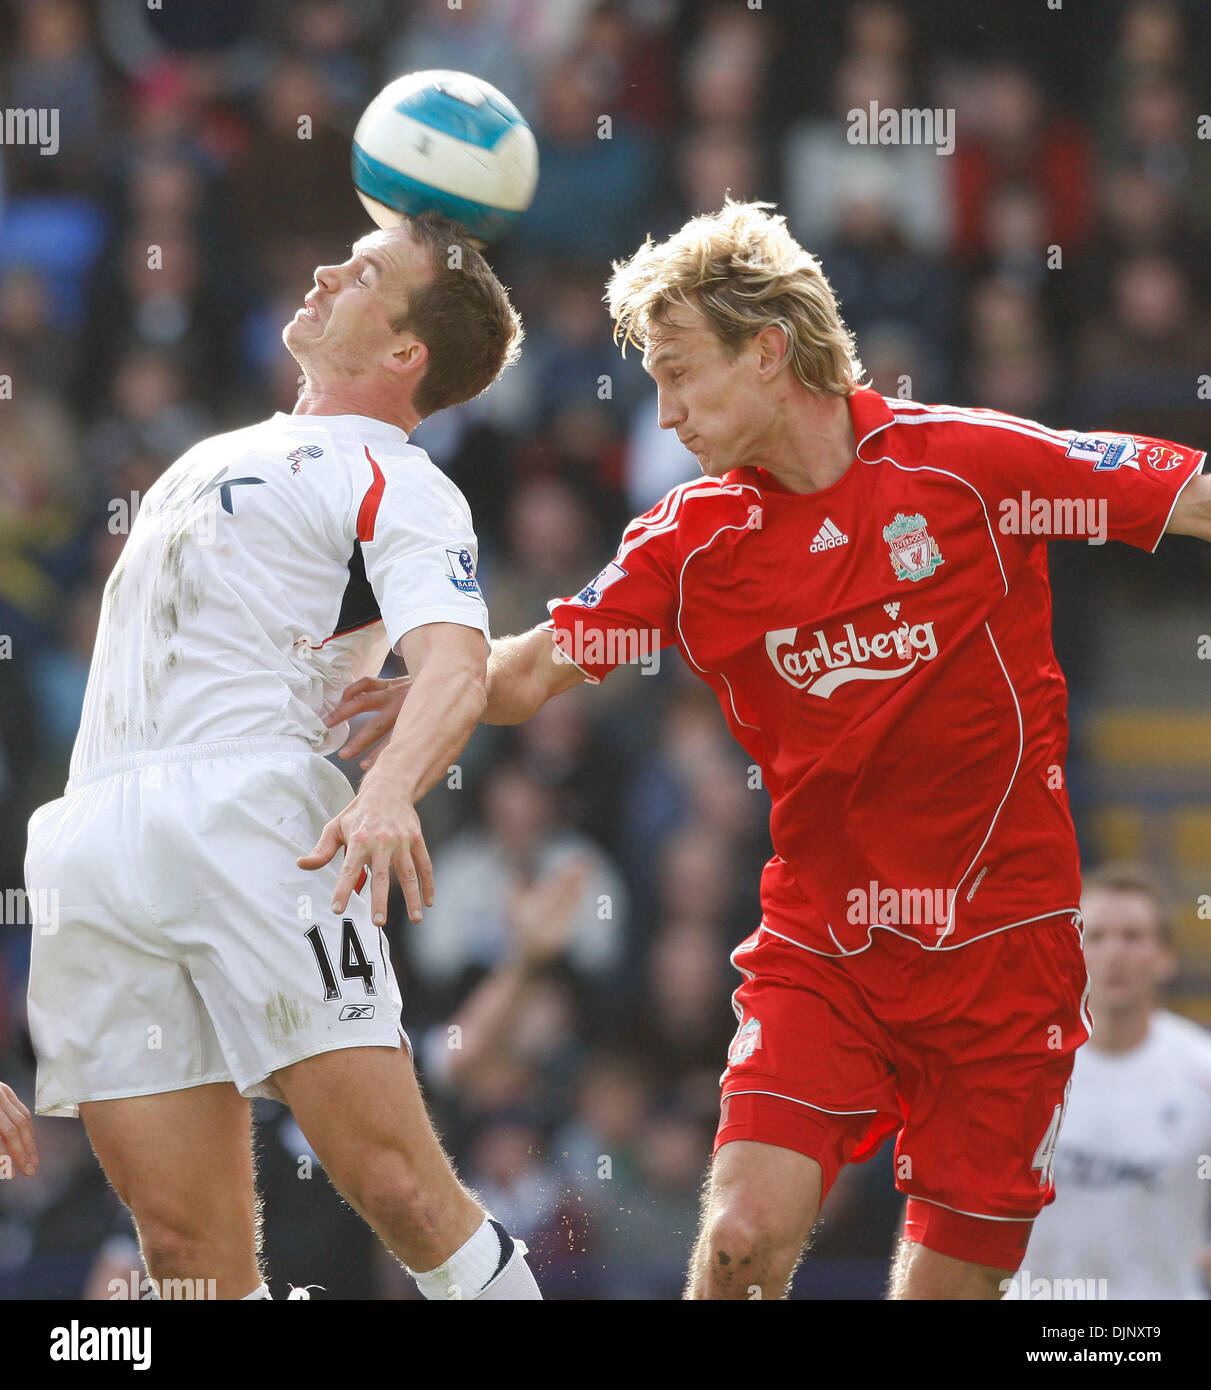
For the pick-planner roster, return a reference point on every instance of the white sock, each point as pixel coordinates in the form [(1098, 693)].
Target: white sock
[(489, 1265), (516, 1281), (261, 1292)]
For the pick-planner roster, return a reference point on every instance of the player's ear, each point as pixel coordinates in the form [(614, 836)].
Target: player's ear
[(773, 349), (409, 357)]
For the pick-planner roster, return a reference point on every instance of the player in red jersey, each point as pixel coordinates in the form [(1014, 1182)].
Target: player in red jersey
[(863, 583)]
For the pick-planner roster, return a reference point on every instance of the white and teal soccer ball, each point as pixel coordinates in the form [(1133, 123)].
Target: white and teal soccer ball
[(447, 141)]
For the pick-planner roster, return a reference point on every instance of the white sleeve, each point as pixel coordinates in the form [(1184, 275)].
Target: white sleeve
[(421, 553)]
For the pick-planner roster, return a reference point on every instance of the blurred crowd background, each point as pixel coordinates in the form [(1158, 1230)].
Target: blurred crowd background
[(568, 998)]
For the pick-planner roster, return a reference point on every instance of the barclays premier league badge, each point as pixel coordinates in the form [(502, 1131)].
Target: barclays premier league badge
[(1105, 451), (914, 552), (462, 571), (590, 595)]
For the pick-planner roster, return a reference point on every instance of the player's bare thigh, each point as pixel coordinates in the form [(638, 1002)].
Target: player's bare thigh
[(758, 1210), (182, 1162)]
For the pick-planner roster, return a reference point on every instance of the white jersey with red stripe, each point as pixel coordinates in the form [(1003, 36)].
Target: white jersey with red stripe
[(265, 570)]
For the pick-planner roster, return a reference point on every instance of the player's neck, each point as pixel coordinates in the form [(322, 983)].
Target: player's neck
[(812, 444), (1120, 1032), (336, 400)]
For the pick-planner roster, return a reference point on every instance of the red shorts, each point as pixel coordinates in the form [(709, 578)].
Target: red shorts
[(965, 1054)]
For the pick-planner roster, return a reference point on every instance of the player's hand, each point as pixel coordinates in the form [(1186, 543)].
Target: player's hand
[(17, 1131), (380, 831), (381, 698)]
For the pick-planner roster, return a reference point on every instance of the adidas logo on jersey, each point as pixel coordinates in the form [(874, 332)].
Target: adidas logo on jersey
[(828, 537)]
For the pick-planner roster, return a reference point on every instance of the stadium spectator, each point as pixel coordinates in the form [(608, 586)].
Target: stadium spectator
[(482, 867), (1009, 136), (53, 69), (828, 168), (597, 177)]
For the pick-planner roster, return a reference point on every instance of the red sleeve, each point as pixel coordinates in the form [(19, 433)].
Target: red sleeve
[(629, 612), (1059, 484)]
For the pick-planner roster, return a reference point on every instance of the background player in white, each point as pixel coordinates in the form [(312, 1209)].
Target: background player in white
[(1133, 1203), (190, 968)]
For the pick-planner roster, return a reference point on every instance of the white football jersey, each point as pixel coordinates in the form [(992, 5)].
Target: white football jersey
[(265, 570), (1133, 1199)]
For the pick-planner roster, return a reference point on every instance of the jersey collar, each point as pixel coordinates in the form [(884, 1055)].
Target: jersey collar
[(364, 424), (870, 414)]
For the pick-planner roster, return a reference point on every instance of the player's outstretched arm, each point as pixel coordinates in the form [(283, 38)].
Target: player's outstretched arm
[(380, 829), (1192, 511), (523, 674), (17, 1131)]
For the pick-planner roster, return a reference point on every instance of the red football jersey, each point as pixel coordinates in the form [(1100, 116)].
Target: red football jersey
[(882, 649)]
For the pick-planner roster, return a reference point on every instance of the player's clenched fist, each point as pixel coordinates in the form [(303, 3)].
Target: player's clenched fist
[(379, 830), (17, 1131), (383, 700)]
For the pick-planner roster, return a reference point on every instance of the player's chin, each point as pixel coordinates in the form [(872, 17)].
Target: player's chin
[(298, 343)]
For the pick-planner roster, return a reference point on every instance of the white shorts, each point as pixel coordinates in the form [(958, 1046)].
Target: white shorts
[(177, 943)]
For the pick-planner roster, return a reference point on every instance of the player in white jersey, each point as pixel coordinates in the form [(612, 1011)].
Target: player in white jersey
[(1132, 1214), (203, 948)]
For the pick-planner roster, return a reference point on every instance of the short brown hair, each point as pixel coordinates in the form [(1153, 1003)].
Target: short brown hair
[(1121, 877), (462, 315)]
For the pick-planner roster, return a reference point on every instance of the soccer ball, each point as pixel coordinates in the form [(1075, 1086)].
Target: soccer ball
[(448, 141)]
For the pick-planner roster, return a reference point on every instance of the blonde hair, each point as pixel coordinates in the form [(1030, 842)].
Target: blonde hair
[(743, 271)]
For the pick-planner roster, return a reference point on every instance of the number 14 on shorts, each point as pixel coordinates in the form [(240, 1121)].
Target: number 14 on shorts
[(355, 965), (1044, 1155)]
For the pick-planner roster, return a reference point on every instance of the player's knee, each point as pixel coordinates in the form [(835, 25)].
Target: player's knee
[(189, 1239), (744, 1237), (175, 1249), (391, 1199)]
